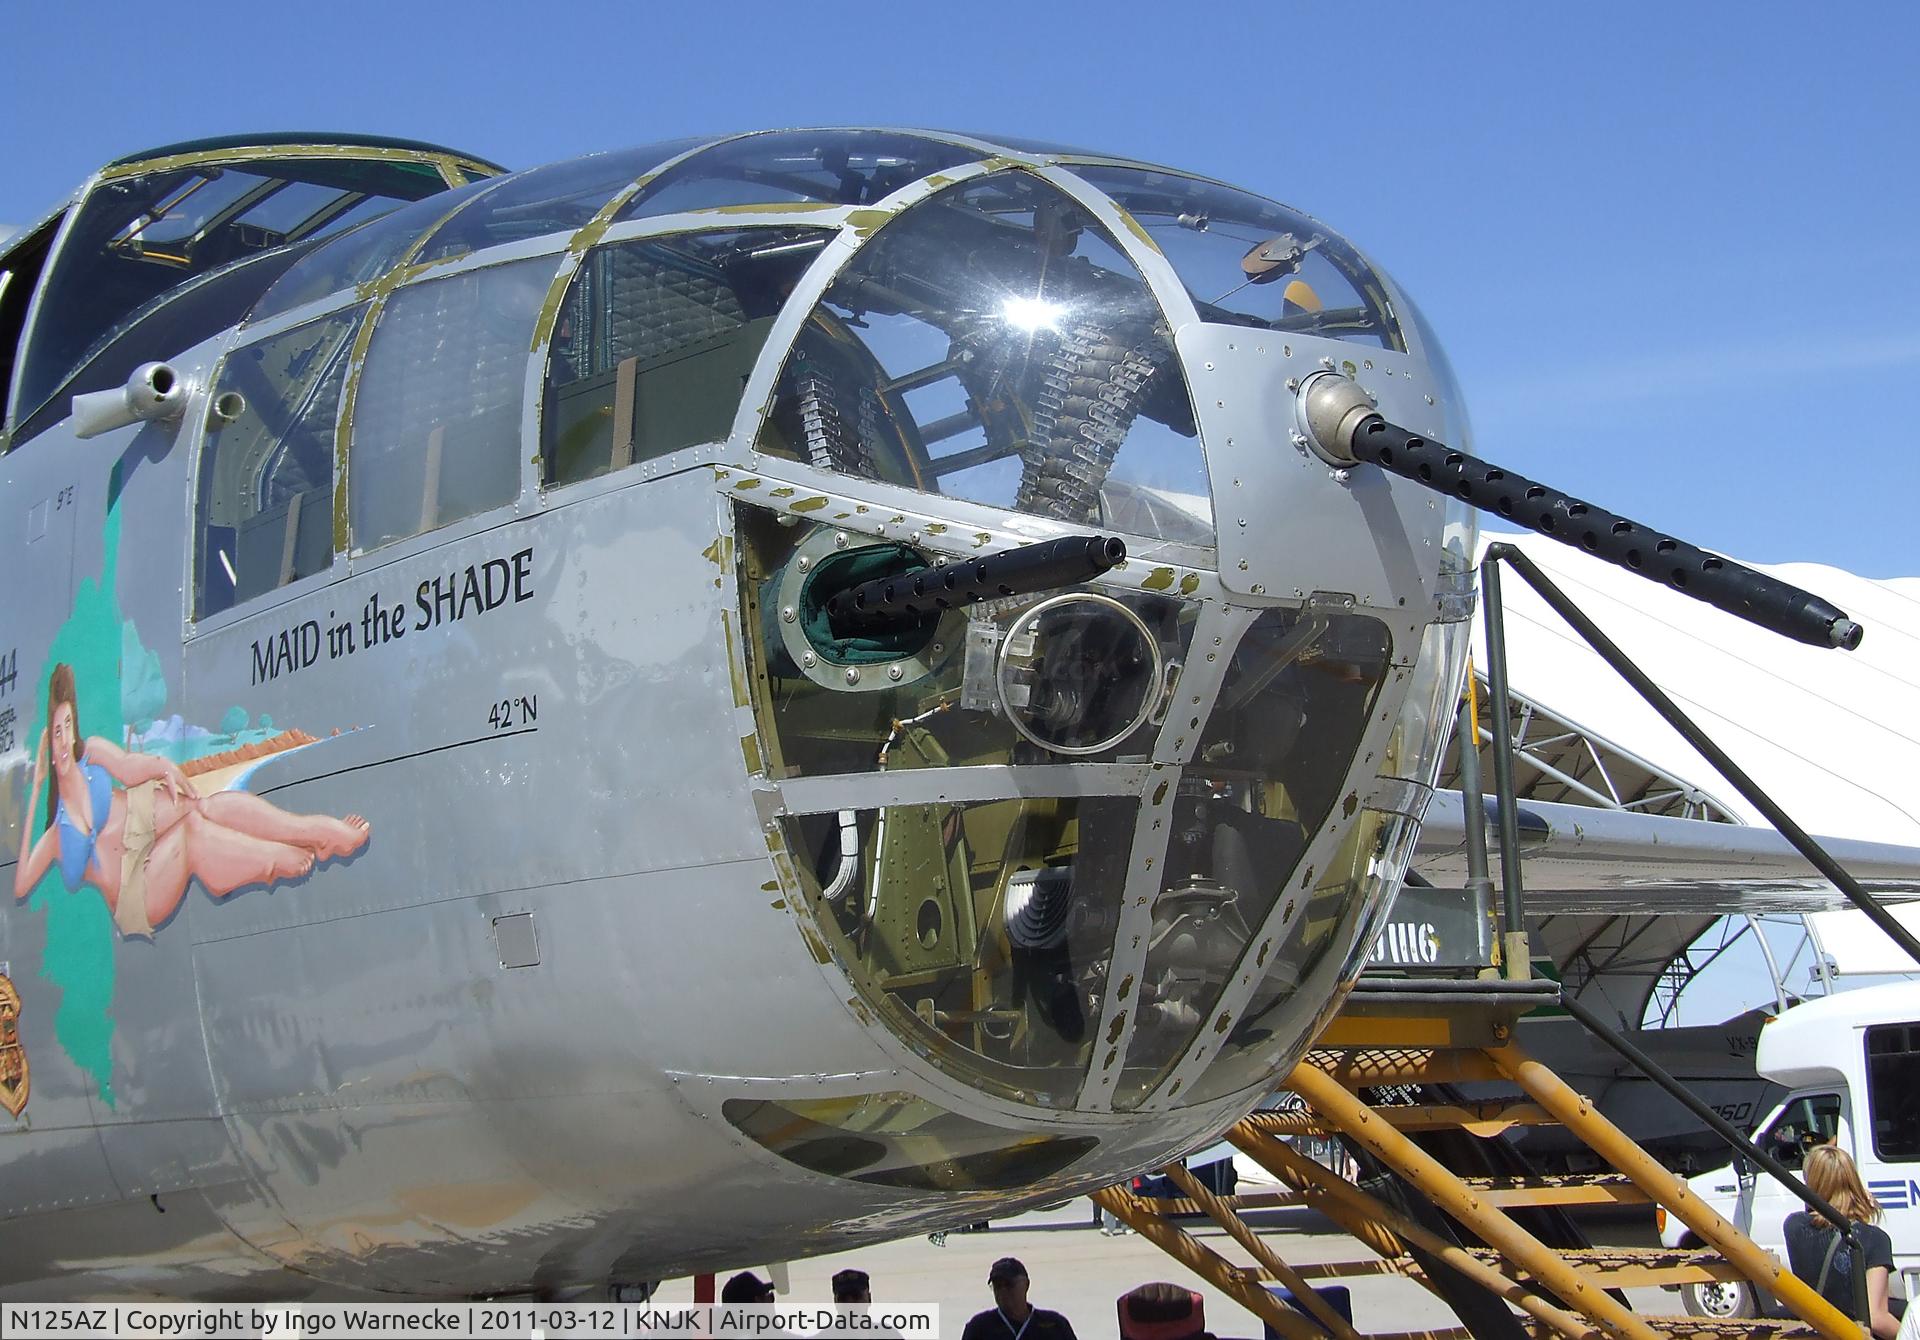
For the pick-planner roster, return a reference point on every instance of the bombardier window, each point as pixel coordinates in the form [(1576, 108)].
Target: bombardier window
[(1272, 756), (995, 344), (1327, 906), (266, 477), (436, 424), (655, 341), (982, 933)]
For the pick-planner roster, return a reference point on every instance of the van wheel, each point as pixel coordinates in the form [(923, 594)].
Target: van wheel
[(1722, 1300)]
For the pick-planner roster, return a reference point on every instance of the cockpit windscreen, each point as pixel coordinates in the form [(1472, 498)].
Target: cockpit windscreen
[(140, 237)]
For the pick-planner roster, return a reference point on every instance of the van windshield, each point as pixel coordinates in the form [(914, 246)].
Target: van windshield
[(1808, 1120)]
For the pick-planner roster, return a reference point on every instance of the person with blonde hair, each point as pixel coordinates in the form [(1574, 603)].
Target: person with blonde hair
[(1822, 1257)]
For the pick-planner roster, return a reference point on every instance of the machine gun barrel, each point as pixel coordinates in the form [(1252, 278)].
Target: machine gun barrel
[(1720, 582), (910, 597), (1345, 429)]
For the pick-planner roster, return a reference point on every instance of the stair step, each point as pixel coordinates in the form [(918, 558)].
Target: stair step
[(1709, 1328), (1481, 1119), (1636, 1267), (1569, 1189), (1339, 1270), (1367, 1067)]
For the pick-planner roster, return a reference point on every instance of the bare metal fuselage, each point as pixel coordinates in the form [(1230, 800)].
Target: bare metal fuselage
[(493, 1048)]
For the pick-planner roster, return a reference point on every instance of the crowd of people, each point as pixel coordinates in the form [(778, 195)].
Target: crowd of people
[(1150, 1312)]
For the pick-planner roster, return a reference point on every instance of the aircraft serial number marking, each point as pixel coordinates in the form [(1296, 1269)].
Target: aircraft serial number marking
[(77, 1320), (511, 712)]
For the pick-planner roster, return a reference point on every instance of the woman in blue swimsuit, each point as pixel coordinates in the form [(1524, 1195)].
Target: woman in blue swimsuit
[(140, 843)]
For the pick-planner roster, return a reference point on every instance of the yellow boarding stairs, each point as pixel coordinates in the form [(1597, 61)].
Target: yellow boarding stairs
[(1394, 1040), (1382, 1074)]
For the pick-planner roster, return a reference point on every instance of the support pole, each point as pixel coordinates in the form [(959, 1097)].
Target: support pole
[(1773, 964), (1642, 684), (1491, 1225), (1209, 1265), (1514, 952), (1375, 1223), (1221, 1214), (1608, 1141), (1466, 734)]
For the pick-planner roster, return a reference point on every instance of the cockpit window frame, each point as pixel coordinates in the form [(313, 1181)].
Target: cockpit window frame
[(258, 154), (22, 286)]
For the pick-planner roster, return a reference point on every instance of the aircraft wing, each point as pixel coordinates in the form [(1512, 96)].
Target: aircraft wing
[(1584, 860)]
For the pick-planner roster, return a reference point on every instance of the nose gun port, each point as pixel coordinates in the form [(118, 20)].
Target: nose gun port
[(914, 597), (1343, 428)]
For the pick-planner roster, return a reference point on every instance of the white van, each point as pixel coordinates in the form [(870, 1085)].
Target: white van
[(1851, 1063)]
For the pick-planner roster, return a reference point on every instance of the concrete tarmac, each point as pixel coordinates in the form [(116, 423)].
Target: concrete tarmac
[(1079, 1272)]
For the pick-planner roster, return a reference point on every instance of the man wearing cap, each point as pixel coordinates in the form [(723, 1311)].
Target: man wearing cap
[(1012, 1317), (851, 1289), (746, 1287)]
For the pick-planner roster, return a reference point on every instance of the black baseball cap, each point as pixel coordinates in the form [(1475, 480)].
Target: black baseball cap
[(1006, 1268), (849, 1282)]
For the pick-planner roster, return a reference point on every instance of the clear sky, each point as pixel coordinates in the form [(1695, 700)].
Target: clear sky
[(1670, 248)]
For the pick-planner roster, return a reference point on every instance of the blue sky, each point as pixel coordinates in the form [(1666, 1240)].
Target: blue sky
[(1669, 249)]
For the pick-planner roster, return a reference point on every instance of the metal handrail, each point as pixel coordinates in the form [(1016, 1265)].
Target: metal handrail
[(1802, 842)]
